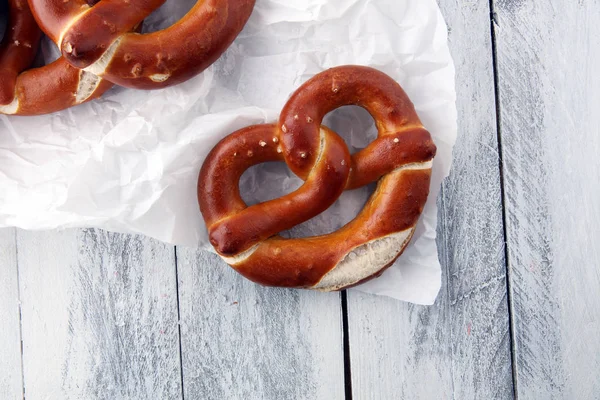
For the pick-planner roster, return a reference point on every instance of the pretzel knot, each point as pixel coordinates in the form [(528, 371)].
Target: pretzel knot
[(400, 159), (99, 38)]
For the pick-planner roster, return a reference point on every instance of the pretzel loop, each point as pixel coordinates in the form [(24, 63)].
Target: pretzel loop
[(100, 40), (47, 89), (400, 159), (235, 227), (303, 114)]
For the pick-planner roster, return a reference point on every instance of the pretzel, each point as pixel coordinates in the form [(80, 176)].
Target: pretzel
[(400, 159), (98, 39), (42, 90)]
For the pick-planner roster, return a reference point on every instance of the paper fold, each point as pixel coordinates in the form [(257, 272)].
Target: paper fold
[(129, 162)]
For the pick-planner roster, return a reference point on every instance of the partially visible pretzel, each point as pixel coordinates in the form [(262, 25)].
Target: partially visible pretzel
[(400, 159), (42, 90), (99, 38)]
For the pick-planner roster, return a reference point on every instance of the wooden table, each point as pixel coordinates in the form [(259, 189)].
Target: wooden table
[(87, 314)]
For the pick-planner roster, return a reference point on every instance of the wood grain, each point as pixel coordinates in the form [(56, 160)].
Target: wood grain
[(99, 311), (460, 347), (243, 341), (99, 316), (548, 58), (11, 383)]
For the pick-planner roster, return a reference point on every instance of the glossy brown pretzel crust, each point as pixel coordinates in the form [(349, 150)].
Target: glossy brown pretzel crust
[(399, 159), (99, 38), (41, 90)]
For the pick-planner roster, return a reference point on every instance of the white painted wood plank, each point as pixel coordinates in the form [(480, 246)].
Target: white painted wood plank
[(460, 347), (99, 316), (243, 341), (548, 60), (11, 383)]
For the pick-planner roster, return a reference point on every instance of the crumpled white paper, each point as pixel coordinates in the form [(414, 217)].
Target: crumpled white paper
[(129, 162)]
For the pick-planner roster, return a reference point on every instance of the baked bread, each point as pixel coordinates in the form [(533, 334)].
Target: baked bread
[(400, 160)]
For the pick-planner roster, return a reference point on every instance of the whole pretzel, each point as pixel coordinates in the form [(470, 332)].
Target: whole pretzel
[(99, 39), (400, 159), (42, 90)]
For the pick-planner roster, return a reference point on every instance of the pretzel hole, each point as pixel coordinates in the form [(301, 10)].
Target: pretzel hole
[(48, 52), (344, 210), (267, 181), (271, 180), (3, 18), (354, 124), (167, 15)]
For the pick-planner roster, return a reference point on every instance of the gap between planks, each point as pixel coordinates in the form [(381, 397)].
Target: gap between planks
[(547, 55), (509, 299), (179, 323), (11, 355)]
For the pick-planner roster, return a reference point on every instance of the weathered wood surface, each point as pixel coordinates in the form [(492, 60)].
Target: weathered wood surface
[(11, 383), (548, 61), (99, 316), (100, 311), (243, 341), (459, 348)]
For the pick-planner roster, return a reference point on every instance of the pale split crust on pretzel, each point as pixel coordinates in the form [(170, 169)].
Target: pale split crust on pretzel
[(98, 38), (400, 160), (52, 88), (363, 261), (47, 89)]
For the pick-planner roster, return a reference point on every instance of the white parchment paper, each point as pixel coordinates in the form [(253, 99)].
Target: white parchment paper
[(129, 162)]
